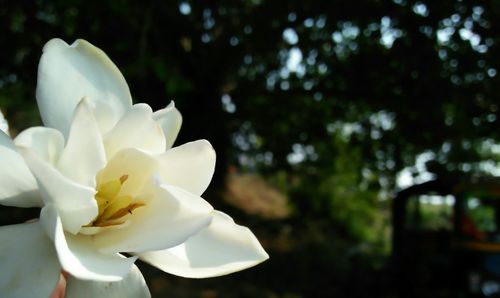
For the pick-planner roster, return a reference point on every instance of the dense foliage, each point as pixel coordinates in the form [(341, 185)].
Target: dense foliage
[(329, 100)]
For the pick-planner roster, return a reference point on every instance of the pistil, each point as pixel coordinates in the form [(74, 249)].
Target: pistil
[(113, 208)]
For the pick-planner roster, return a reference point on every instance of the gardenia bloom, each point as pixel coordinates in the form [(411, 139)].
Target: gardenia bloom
[(108, 182), (4, 126)]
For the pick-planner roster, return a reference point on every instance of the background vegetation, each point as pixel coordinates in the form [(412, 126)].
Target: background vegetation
[(318, 111)]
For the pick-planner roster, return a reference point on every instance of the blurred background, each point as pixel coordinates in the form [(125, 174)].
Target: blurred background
[(321, 113)]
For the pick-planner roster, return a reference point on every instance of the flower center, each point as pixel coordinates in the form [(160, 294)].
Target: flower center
[(113, 208)]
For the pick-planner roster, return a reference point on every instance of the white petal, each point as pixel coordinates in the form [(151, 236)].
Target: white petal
[(78, 255), (18, 187), (222, 248), (170, 216), (132, 286), (92, 230), (45, 142), (75, 202), (137, 165), (84, 153), (136, 129), (66, 74), (170, 120), (4, 125), (29, 262), (189, 166)]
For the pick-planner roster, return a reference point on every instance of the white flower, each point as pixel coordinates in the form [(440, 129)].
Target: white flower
[(108, 182), (4, 125)]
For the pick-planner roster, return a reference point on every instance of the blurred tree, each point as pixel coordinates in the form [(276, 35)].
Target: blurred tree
[(341, 95)]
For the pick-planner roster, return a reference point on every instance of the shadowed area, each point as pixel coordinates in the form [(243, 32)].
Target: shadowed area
[(321, 114)]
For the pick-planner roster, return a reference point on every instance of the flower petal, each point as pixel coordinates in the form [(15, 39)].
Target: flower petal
[(78, 255), (84, 153), (222, 248), (67, 73), (189, 166), (29, 262), (138, 166), (133, 285), (18, 187), (4, 125), (46, 142), (136, 129), (75, 202), (170, 216), (170, 120)]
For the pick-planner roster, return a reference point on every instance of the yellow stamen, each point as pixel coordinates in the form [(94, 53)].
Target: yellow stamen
[(112, 208), (109, 189), (123, 178), (101, 203), (115, 205), (108, 223), (127, 210)]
